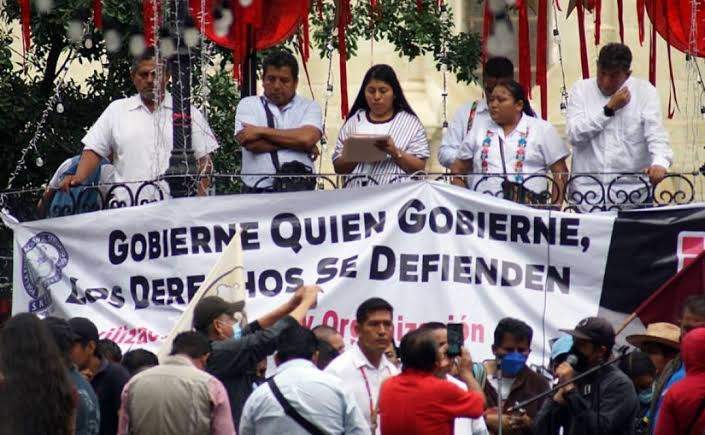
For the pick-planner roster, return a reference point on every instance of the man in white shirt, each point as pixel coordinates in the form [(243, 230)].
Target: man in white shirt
[(363, 367), (614, 123), (137, 131), (494, 70), (317, 398), (277, 131), (467, 426)]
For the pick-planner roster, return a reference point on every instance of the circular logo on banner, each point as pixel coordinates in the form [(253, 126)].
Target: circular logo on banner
[(43, 258)]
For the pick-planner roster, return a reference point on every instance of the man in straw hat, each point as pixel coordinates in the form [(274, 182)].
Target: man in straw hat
[(661, 342)]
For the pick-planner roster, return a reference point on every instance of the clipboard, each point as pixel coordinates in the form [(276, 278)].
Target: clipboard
[(361, 148)]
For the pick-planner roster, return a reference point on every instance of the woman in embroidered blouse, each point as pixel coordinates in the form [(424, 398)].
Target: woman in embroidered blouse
[(511, 147), (381, 109)]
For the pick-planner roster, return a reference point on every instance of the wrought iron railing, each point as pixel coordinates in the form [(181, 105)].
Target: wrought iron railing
[(579, 193)]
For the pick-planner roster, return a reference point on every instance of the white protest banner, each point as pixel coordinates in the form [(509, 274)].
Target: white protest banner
[(435, 252)]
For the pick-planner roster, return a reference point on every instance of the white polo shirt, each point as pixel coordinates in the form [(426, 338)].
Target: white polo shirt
[(358, 374), (297, 113), (141, 141)]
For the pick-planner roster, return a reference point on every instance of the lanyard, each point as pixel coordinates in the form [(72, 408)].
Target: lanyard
[(369, 390)]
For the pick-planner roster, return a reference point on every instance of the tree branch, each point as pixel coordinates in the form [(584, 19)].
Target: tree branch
[(50, 71)]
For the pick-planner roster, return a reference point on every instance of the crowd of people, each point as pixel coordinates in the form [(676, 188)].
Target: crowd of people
[(58, 377), (613, 123)]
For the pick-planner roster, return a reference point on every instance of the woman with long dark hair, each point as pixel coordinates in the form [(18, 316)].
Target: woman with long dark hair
[(515, 150), (381, 109), (35, 393)]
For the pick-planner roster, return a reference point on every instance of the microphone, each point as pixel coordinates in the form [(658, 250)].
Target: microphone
[(572, 360)]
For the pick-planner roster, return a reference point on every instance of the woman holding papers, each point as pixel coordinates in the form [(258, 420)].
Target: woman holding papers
[(513, 150), (382, 139)]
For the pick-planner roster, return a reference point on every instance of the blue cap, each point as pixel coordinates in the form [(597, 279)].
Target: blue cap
[(561, 346)]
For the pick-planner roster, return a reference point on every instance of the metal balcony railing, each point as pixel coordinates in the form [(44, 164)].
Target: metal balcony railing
[(580, 193)]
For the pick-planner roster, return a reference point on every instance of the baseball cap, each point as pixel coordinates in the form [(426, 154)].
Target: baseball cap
[(84, 329), (211, 307), (594, 329), (63, 335)]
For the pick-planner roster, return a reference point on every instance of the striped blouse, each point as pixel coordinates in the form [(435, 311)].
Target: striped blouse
[(408, 135)]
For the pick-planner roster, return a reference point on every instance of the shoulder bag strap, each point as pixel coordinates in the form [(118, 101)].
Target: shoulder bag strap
[(471, 117), (290, 411), (270, 123)]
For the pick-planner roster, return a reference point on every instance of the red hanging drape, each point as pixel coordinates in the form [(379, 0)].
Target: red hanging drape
[(344, 18), (620, 18), (524, 47), (26, 19), (98, 13), (583, 43), (542, 55)]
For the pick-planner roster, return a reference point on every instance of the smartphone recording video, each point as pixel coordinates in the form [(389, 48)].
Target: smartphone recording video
[(455, 339)]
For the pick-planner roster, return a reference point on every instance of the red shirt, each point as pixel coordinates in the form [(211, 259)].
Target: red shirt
[(419, 403)]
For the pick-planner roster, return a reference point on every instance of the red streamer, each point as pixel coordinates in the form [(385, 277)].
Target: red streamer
[(319, 8), (26, 18), (620, 17), (486, 25), (640, 18), (306, 44), (542, 55), (524, 47), (672, 93), (598, 20), (98, 13), (652, 57), (373, 4), (148, 20), (344, 18), (419, 5), (583, 43), (558, 5)]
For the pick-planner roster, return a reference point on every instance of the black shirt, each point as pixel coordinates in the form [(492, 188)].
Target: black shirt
[(108, 384)]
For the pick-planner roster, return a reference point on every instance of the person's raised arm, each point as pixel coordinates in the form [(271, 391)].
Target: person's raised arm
[(297, 306), (90, 160)]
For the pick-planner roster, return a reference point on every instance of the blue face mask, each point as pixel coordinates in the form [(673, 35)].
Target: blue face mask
[(646, 395), (512, 364)]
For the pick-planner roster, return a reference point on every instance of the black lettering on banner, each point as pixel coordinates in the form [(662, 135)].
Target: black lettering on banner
[(222, 238), (546, 232), (139, 283), (178, 241), (348, 267), (326, 269), (429, 263), (165, 242), (569, 231), (292, 241), (249, 237), (445, 267), (372, 224), (117, 300), (534, 280), (333, 229), (293, 279), (520, 226), (351, 227), (483, 271), (154, 245), (556, 280), (158, 291), (378, 270), (193, 282), (498, 227), (264, 279), (95, 294), (447, 220), (200, 240), (511, 274), (320, 237), (411, 222), (461, 269), (75, 297), (481, 224), (464, 225), (117, 248), (175, 291), (407, 267), (138, 254), (250, 284)]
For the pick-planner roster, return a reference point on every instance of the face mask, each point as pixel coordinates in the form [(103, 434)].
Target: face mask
[(237, 332), (582, 363), (646, 395), (512, 364)]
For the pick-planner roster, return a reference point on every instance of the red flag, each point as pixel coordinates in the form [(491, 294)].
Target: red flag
[(664, 304)]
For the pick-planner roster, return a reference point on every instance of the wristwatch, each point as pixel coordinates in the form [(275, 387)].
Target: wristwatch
[(608, 112)]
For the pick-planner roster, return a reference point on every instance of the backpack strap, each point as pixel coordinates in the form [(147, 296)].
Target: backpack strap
[(270, 123), (290, 411), (471, 116)]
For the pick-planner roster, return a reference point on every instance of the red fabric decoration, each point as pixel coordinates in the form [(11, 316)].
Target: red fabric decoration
[(419, 5), (524, 47), (344, 18), (652, 56), (620, 17), (672, 19), (373, 4), (672, 93), (486, 25), (558, 5), (98, 13), (148, 20), (583, 43), (541, 54), (598, 20), (306, 45), (319, 8), (26, 18), (640, 18)]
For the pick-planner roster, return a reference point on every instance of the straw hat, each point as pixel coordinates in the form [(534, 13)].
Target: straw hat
[(664, 333)]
